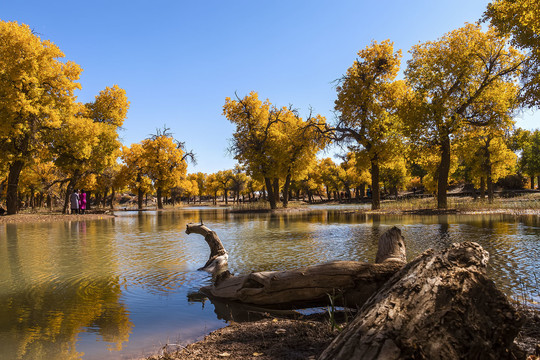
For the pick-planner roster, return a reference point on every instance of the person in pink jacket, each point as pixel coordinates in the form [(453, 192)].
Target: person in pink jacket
[(82, 202)]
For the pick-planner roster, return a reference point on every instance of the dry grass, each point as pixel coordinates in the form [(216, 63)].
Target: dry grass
[(522, 203)]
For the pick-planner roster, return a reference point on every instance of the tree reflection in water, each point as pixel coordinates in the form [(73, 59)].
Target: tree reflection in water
[(68, 284), (44, 322)]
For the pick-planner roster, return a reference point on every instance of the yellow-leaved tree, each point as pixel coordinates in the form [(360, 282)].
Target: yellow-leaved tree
[(164, 162), (527, 142), (272, 143), (213, 186), (36, 92), (109, 180), (224, 180), (87, 142), (521, 20), (187, 187), (133, 172), (486, 153), (200, 178), (366, 102), (484, 148), (37, 181), (447, 78), (329, 176)]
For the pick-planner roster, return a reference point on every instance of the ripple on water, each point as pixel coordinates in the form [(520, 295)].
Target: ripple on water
[(134, 281)]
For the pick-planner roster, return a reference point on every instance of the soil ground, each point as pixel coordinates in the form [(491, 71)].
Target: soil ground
[(291, 339), (295, 339), (48, 217)]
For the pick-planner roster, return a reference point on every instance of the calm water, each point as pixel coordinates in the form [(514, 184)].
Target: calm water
[(121, 288)]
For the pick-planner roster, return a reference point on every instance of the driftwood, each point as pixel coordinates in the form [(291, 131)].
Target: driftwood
[(309, 286), (218, 259), (439, 306)]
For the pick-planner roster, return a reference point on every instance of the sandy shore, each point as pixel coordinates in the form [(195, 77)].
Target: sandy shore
[(295, 339), (48, 217)]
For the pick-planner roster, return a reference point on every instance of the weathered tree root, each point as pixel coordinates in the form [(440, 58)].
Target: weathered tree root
[(310, 286), (439, 306), (218, 255)]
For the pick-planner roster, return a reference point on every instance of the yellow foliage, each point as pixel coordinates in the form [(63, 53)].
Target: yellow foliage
[(486, 154), (84, 146), (133, 170), (367, 98), (271, 142), (110, 106), (36, 88), (201, 179), (466, 78), (156, 162), (163, 161), (521, 20)]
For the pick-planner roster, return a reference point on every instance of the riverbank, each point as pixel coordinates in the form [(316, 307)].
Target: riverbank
[(519, 205), (49, 217), (305, 338), (264, 339)]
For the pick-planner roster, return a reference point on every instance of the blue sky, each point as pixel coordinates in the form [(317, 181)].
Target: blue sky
[(179, 60)]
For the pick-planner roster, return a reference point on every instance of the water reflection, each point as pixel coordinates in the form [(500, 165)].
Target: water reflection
[(123, 286), (43, 308)]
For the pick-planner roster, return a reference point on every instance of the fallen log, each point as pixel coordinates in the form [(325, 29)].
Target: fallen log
[(309, 286), (218, 255), (439, 306)]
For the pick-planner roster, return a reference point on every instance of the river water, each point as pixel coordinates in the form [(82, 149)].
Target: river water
[(121, 288)]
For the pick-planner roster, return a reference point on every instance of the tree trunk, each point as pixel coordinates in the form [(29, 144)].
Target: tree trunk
[(439, 306), (376, 194), (159, 199), (113, 194), (532, 182), (310, 286), (89, 200), (482, 188), (105, 196), (488, 173), (275, 184), (442, 174), (12, 199), (140, 195), (69, 190), (32, 198), (270, 191), (3, 184), (490, 189), (99, 198), (286, 191)]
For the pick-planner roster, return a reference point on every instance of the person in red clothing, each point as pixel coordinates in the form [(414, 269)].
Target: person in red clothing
[(82, 201)]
